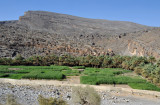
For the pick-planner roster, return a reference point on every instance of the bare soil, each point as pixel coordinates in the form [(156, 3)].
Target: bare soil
[(14, 68)]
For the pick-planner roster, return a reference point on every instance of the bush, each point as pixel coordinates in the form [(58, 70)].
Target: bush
[(85, 96), (50, 101), (11, 100)]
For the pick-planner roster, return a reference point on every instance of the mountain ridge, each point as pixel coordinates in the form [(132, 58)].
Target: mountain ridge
[(42, 33)]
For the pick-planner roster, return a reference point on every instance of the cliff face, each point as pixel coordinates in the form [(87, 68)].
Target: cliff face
[(42, 33), (145, 43)]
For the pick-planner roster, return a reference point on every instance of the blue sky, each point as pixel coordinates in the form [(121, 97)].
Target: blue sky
[(145, 12)]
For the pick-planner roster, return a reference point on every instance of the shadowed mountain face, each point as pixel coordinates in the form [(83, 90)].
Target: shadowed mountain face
[(42, 33)]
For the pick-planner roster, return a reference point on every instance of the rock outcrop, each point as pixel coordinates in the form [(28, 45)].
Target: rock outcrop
[(42, 33)]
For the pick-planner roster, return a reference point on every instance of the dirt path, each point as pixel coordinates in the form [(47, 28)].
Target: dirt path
[(73, 79), (76, 80), (72, 82), (120, 91)]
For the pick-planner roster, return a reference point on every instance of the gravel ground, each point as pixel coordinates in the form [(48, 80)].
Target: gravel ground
[(28, 95)]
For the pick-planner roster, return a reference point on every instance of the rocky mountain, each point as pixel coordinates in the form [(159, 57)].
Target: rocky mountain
[(42, 33)]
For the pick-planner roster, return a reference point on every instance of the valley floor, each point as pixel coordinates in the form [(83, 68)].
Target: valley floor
[(27, 92)]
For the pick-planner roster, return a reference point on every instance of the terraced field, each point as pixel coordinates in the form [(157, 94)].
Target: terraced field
[(92, 76)]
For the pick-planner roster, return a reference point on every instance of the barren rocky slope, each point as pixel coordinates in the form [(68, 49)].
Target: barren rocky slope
[(41, 33)]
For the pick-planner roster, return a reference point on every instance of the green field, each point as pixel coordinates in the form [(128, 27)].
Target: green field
[(92, 76), (35, 72)]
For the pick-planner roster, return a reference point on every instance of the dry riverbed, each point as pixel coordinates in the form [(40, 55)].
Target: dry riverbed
[(27, 94)]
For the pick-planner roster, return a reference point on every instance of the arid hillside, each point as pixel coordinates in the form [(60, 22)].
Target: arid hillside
[(42, 33)]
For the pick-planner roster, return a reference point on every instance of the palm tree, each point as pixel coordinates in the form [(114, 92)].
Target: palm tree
[(100, 59), (6, 61), (158, 63), (126, 65), (138, 70), (152, 59), (61, 60), (19, 60), (94, 62), (117, 61), (107, 61)]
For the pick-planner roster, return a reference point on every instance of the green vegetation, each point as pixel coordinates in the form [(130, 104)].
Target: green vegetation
[(93, 76), (36, 72), (44, 75), (144, 86), (108, 76), (78, 67), (4, 75), (60, 68), (15, 76), (71, 72), (111, 72)]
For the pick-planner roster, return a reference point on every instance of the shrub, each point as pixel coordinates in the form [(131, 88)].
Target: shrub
[(85, 96), (11, 100), (51, 101)]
